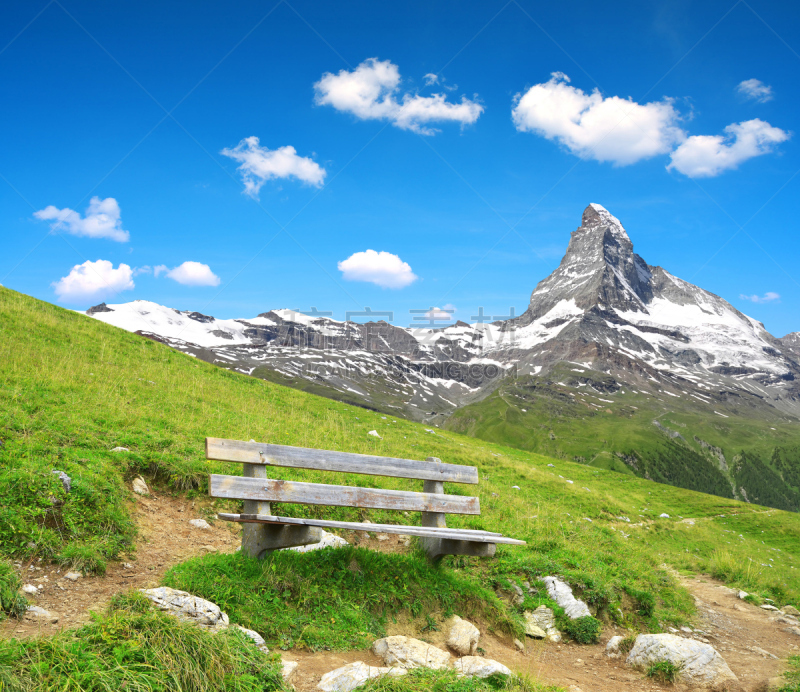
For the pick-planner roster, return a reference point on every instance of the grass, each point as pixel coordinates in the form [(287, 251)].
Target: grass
[(448, 681), (135, 648), (664, 671), (72, 389), (11, 601), (792, 676)]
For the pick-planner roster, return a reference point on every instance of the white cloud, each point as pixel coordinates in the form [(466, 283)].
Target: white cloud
[(189, 274), (102, 220), (146, 269), (592, 127), (431, 78), (93, 280), (704, 156), (768, 297), (260, 164), (371, 92), (381, 268), (755, 90), (445, 313)]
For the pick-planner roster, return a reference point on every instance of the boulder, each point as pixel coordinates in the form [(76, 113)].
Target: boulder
[(200, 524), (612, 647), (374, 433), (73, 576), (700, 663), (288, 669), (561, 593), (139, 486), (329, 540), (545, 620), (463, 637), (66, 481), (767, 606), (186, 607), (255, 636), (408, 653), (532, 628), (790, 610), (742, 595), (36, 613), (353, 675), (479, 667), (30, 589)]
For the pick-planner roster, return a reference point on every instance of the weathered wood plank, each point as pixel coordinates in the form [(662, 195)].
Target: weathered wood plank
[(325, 460), (239, 488), (453, 534)]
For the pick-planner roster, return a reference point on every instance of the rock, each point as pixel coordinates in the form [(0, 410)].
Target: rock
[(374, 433), (200, 524), (701, 665), (532, 628), (209, 548), (463, 637), (767, 606), (30, 589), (612, 647), (382, 536), (329, 540), (790, 610), (561, 593), (73, 576), (120, 449), (794, 630), (140, 487), (408, 653), (544, 618), (663, 516), (288, 669), (255, 636), (353, 675), (742, 595), (36, 613), (66, 481), (479, 667), (186, 607), (519, 645)]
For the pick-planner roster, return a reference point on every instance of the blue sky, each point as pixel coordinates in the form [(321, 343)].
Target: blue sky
[(247, 156)]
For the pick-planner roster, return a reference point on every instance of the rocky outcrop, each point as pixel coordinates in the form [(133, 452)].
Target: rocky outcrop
[(479, 667), (186, 607), (700, 664), (542, 620), (561, 593), (463, 637), (354, 675), (408, 653)]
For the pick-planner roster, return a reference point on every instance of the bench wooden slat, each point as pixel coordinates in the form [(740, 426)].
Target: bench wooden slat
[(454, 534), (325, 460), (268, 490)]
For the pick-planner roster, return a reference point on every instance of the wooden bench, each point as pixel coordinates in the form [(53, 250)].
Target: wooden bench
[(264, 532)]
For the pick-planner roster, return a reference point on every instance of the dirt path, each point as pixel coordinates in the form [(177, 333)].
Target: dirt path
[(754, 642)]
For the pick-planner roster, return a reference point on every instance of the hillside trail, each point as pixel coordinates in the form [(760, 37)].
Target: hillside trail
[(752, 641)]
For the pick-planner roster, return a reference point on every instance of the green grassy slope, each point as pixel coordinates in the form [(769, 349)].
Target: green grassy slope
[(718, 448), (72, 389)]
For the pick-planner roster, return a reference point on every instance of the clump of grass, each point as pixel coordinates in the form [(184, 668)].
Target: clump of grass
[(664, 671), (338, 598), (585, 630), (12, 602), (730, 568), (134, 647), (627, 644), (448, 681), (792, 676)]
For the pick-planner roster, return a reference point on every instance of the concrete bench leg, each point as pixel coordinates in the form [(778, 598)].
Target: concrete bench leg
[(260, 539)]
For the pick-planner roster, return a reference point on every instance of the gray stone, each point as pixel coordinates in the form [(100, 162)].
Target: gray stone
[(463, 637), (790, 610), (200, 524), (767, 606), (120, 449), (30, 589), (612, 647), (73, 576), (407, 652), (139, 486), (742, 595), (544, 618), (37, 613), (700, 663), (288, 669), (561, 593), (532, 628), (519, 645), (353, 675), (186, 607), (479, 667), (66, 481)]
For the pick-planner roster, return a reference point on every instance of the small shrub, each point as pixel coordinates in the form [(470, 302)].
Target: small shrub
[(626, 644), (664, 671), (585, 630), (86, 557), (11, 601)]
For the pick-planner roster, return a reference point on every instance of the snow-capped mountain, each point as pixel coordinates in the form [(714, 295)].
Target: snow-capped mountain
[(603, 308)]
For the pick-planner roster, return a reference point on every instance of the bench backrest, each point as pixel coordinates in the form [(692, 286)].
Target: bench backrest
[(269, 490)]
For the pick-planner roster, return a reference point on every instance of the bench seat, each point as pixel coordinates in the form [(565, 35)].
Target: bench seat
[(264, 531)]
